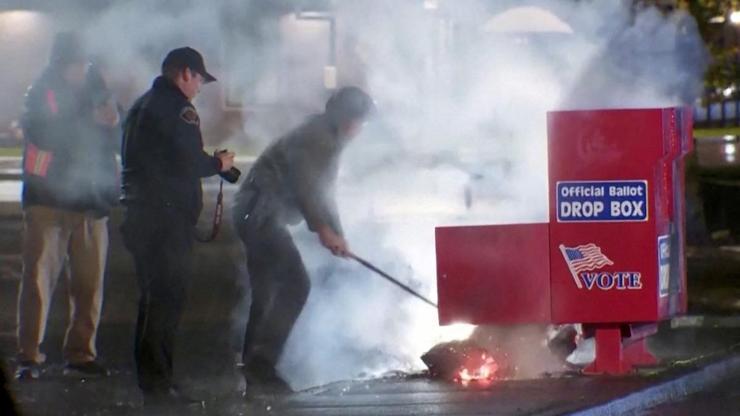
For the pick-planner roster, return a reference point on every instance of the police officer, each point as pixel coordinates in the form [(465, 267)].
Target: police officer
[(293, 179), (163, 162)]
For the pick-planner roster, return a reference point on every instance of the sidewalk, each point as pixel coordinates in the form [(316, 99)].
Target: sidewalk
[(723, 399)]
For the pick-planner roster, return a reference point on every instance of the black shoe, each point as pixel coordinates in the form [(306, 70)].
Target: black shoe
[(171, 397), (86, 369), (263, 379), (28, 370)]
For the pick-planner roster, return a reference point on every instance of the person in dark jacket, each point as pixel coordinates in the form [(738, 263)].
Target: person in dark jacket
[(103, 141), (163, 163), (292, 180), (65, 212)]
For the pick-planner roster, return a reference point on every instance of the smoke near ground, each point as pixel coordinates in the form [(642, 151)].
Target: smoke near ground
[(460, 138)]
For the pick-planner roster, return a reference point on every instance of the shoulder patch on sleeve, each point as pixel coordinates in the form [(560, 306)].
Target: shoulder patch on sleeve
[(189, 115)]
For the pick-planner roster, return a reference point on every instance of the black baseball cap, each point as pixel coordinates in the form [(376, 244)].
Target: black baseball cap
[(187, 57)]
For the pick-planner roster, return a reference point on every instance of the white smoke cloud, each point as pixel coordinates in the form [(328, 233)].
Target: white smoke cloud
[(460, 139), (463, 141)]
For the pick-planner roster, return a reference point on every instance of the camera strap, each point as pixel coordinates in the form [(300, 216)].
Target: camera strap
[(217, 216)]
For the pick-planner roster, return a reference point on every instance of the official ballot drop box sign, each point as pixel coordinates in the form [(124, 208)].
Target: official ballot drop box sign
[(613, 249)]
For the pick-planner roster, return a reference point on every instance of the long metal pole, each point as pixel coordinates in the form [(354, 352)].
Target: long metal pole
[(391, 279)]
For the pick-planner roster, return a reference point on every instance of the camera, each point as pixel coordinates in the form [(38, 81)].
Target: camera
[(231, 175)]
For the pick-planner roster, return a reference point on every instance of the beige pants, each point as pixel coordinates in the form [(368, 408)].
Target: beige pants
[(51, 238)]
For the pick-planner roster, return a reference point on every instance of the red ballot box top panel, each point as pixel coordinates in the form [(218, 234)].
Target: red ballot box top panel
[(606, 170), (497, 274), (604, 144)]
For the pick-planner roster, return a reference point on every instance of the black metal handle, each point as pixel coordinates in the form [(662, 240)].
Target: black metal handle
[(391, 279)]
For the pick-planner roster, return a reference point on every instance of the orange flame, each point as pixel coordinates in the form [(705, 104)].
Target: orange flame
[(479, 372)]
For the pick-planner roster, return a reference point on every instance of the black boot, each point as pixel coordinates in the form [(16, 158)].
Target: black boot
[(262, 378)]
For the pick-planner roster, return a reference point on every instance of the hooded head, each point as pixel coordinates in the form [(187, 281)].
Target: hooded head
[(347, 109), (68, 58)]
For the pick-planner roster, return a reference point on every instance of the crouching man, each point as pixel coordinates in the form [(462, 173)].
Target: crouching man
[(292, 180)]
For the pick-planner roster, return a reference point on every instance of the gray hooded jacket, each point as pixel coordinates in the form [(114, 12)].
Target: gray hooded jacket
[(294, 179)]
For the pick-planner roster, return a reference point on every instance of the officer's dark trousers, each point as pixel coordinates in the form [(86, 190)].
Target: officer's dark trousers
[(279, 287), (161, 243)]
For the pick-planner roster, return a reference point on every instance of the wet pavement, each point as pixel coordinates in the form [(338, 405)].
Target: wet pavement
[(208, 343), (206, 371)]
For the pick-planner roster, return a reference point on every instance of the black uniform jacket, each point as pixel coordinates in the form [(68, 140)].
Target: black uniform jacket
[(162, 153)]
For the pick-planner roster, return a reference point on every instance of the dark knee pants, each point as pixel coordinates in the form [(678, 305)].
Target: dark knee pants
[(279, 286), (161, 244)]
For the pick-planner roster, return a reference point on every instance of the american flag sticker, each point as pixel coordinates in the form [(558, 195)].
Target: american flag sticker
[(584, 258)]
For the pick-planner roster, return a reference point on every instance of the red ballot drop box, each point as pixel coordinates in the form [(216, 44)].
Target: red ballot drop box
[(612, 254)]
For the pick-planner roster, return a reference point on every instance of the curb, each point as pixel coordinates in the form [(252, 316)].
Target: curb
[(667, 391)]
